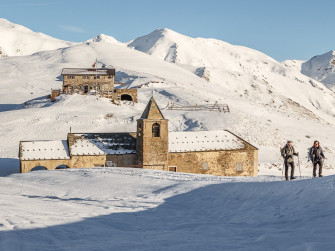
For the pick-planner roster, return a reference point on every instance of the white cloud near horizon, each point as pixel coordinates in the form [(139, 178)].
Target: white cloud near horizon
[(72, 28)]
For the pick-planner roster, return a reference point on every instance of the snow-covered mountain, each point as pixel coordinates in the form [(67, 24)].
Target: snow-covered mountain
[(269, 101), (104, 38), (17, 40), (174, 47), (321, 68), (251, 73)]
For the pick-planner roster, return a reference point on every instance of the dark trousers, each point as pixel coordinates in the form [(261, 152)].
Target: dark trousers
[(315, 163), (287, 164)]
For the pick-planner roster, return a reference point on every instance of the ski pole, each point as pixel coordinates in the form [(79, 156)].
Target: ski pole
[(299, 166)]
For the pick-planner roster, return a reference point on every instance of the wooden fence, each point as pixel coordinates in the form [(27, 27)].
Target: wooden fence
[(196, 107)]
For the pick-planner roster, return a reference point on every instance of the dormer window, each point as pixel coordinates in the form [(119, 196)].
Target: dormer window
[(156, 130)]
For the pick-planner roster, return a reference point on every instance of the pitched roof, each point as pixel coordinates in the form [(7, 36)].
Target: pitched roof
[(197, 141), (152, 111), (88, 71), (47, 149), (103, 144)]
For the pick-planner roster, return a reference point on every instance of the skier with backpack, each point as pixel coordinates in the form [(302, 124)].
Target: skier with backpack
[(287, 153), (317, 157)]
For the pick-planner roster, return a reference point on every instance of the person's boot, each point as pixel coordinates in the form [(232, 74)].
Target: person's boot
[(293, 178), (314, 175), (320, 175)]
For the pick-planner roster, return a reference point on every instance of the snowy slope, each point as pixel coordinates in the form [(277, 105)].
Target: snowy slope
[(17, 40), (321, 68), (129, 209), (248, 72), (272, 111), (269, 101)]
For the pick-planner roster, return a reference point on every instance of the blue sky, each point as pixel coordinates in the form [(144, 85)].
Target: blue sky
[(294, 29)]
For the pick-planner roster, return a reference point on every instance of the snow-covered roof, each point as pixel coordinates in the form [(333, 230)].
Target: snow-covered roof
[(103, 144), (53, 149), (203, 141), (88, 71)]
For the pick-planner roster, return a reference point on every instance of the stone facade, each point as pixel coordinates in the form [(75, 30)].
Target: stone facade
[(221, 163), (74, 162), (219, 153), (152, 138), (95, 81)]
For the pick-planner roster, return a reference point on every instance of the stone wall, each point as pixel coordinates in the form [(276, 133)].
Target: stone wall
[(74, 162), (77, 83), (152, 150), (27, 165), (130, 92), (88, 161), (223, 163), (122, 159)]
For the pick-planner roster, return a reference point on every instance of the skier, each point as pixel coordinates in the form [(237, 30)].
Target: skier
[(287, 153), (317, 156)]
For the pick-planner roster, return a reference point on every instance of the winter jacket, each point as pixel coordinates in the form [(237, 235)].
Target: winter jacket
[(289, 151), (316, 154)]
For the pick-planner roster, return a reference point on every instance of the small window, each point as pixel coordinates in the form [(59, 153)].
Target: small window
[(155, 130), (239, 167), (96, 77), (70, 77), (172, 169), (204, 166)]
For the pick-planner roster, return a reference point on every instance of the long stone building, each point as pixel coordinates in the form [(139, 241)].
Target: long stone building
[(99, 81), (152, 146)]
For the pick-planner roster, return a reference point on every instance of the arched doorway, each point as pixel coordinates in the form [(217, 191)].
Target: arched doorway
[(86, 89), (62, 167), (39, 168), (126, 97)]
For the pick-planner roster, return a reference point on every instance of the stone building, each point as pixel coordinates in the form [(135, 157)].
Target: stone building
[(152, 146), (99, 81)]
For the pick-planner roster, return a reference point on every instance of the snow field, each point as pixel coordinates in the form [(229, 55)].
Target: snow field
[(129, 209)]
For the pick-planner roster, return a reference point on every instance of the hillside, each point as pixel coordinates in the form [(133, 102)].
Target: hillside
[(17, 40), (269, 102)]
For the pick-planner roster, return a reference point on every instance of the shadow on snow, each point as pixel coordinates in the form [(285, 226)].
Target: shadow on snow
[(242, 216)]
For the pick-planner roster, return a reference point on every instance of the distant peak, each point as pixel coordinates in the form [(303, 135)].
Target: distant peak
[(8, 24), (103, 38), (166, 31)]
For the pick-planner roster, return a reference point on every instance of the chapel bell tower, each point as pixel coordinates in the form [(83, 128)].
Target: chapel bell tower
[(152, 144)]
